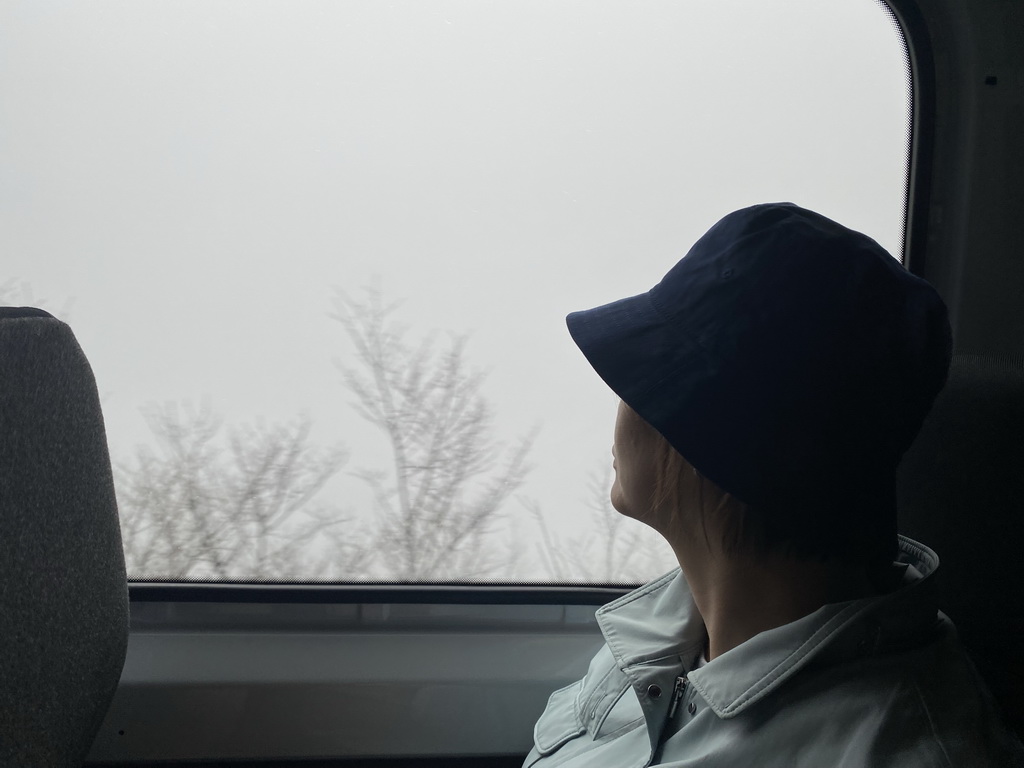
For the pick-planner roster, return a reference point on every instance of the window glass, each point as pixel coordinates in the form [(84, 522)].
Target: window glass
[(319, 253)]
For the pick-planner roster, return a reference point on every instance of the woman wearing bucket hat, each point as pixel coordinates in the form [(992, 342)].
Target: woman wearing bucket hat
[(770, 384)]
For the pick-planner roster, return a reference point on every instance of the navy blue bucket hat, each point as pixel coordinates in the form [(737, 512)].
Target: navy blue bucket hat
[(791, 361)]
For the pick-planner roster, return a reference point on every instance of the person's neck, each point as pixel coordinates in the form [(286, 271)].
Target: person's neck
[(739, 596)]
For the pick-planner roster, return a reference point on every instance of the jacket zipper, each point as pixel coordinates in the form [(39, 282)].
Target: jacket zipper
[(677, 694)]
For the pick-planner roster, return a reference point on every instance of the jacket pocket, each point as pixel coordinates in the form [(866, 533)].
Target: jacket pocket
[(559, 724)]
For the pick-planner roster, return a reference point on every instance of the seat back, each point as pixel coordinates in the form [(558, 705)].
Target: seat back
[(63, 593), (961, 491)]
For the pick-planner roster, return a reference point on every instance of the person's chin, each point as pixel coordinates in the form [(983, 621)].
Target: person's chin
[(618, 502)]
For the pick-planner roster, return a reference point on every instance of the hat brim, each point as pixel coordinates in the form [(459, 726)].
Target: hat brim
[(634, 350)]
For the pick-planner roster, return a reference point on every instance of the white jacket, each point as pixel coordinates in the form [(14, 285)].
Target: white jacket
[(880, 681)]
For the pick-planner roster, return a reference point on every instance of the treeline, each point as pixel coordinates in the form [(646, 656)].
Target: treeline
[(242, 502)]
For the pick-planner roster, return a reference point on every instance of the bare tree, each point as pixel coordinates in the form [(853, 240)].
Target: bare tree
[(448, 478), (238, 503), (614, 550), (14, 292), (232, 504)]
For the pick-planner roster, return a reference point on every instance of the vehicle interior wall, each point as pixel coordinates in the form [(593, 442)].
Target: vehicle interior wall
[(961, 480), (221, 675), (966, 189)]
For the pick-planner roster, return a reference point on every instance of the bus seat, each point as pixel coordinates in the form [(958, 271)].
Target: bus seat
[(961, 491), (63, 592)]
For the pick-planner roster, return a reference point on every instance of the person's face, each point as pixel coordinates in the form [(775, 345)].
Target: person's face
[(635, 464)]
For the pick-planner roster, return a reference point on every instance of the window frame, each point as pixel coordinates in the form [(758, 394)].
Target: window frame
[(173, 621)]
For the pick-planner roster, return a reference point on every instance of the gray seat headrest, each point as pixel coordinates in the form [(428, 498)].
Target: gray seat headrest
[(63, 593)]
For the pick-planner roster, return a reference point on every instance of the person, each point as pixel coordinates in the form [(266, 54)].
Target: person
[(769, 385)]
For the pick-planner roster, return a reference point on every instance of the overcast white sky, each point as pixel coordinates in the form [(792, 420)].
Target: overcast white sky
[(188, 180)]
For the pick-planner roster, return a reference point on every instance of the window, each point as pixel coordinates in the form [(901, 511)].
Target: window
[(253, 214)]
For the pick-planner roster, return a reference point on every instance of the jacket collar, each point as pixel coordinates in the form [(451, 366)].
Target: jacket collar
[(657, 620), (661, 619)]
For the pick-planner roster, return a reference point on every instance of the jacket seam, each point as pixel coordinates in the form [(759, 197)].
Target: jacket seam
[(596, 695), (931, 723), (622, 729), (654, 586), (784, 668), (613, 701)]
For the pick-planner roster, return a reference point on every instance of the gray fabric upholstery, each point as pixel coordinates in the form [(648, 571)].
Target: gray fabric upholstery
[(961, 491), (63, 593)]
